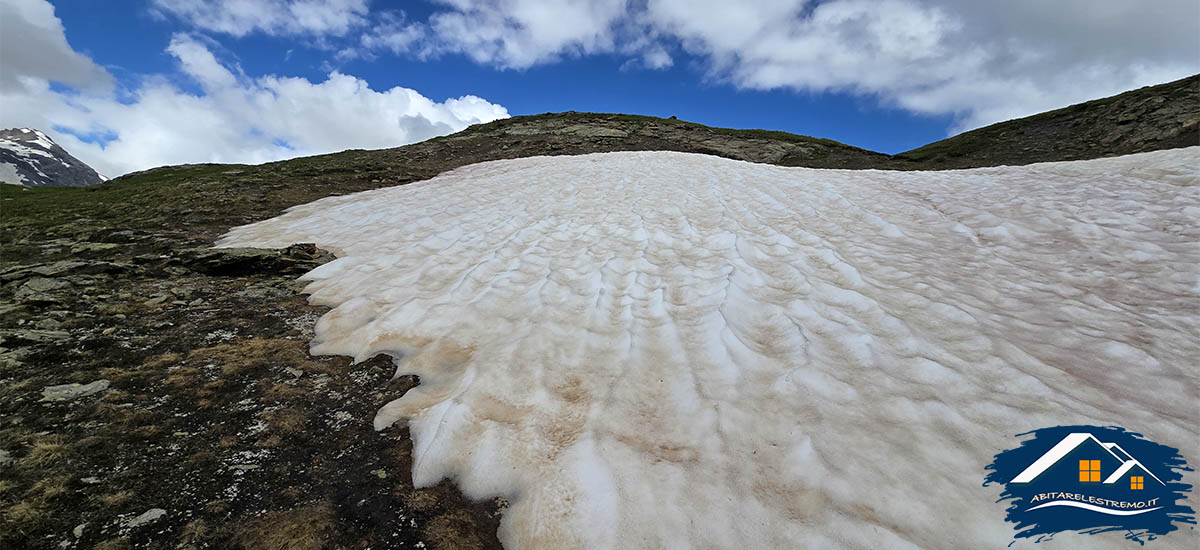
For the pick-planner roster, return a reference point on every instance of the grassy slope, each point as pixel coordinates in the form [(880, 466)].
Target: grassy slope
[(1147, 119)]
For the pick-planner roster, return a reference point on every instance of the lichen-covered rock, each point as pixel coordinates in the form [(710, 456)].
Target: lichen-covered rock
[(295, 259), (149, 516), (40, 289), (68, 392), (15, 335)]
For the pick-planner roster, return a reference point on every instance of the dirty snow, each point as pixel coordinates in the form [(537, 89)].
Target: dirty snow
[(672, 350)]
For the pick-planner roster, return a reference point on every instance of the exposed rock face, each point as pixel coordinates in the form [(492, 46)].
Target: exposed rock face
[(67, 392), (30, 158)]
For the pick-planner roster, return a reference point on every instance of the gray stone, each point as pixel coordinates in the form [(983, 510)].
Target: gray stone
[(149, 516), (44, 284), (588, 130), (67, 392), (39, 289), (30, 335), (93, 247), (48, 324), (156, 300), (12, 358), (256, 292), (295, 259)]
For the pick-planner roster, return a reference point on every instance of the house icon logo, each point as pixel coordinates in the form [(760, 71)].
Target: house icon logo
[(1092, 479), (1098, 458)]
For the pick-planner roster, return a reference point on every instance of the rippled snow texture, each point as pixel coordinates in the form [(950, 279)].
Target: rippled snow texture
[(670, 350)]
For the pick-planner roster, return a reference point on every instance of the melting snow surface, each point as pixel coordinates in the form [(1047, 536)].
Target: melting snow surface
[(672, 350)]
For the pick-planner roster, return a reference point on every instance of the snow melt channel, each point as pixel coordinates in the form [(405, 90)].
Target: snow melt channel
[(670, 350)]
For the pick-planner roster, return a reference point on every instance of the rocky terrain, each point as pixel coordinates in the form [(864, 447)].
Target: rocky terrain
[(1147, 119), (158, 394), (29, 157)]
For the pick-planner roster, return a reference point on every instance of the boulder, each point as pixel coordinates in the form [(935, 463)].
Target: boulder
[(68, 392)]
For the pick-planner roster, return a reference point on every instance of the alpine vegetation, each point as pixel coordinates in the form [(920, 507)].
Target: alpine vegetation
[(669, 350)]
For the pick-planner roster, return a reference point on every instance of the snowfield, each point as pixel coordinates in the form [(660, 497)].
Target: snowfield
[(667, 350)]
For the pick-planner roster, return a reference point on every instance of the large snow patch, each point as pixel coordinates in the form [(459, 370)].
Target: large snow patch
[(670, 350)]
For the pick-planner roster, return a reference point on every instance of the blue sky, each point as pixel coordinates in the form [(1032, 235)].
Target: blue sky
[(136, 83), (587, 83)]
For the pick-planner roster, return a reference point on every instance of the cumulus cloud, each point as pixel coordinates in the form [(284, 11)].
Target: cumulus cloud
[(33, 45), (985, 63), (236, 119), (982, 61), (522, 33)]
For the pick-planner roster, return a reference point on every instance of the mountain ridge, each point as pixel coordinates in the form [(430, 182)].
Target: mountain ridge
[(1163, 116)]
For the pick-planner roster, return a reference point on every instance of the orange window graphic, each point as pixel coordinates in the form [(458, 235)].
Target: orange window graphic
[(1135, 482), (1089, 471)]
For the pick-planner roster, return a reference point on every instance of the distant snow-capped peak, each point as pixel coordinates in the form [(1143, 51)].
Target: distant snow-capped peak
[(30, 158)]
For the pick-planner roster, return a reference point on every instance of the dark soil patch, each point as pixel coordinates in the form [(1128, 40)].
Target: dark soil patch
[(215, 414)]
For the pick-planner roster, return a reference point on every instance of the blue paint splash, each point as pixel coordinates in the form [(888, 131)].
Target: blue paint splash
[(1042, 524)]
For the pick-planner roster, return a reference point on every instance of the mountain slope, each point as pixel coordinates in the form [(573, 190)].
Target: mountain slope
[(1166, 116), (1147, 119), (215, 411), (30, 158)]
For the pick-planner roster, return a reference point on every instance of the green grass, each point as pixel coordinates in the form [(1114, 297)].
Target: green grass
[(748, 133), (117, 202)]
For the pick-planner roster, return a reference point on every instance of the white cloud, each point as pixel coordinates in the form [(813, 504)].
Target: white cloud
[(656, 58), (274, 17), (517, 34), (32, 45), (201, 64), (982, 61), (236, 119), (391, 32), (985, 63)]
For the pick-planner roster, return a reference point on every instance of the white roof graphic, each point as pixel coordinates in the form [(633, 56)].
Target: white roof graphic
[(1068, 444), (1114, 448), (1128, 465)]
